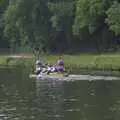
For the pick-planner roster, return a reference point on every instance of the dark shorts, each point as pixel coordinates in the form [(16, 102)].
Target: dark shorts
[(60, 68)]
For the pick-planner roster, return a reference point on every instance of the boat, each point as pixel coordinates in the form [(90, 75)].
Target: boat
[(72, 77)]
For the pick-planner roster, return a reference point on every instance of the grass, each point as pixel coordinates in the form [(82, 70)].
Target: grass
[(104, 62), (90, 61), (3, 60), (16, 61)]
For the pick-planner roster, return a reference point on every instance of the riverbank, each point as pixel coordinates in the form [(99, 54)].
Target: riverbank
[(103, 62), (17, 60)]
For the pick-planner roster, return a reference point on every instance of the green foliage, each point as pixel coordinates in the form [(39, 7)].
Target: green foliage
[(3, 4), (26, 24), (62, 17), (3, 41), (41, 24), (113, 18), (62, 14), (10, 21), (90, 14)]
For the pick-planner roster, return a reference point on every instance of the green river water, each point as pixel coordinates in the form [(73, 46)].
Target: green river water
[(22, 98)]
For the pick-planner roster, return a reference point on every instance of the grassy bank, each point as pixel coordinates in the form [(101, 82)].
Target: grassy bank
[(90, 61), (21, 61), (102, 62)]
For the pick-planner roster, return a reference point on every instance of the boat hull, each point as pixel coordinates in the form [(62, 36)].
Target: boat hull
[(73, 77)]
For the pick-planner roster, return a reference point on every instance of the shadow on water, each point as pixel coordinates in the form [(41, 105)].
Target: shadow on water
[(24, 99)]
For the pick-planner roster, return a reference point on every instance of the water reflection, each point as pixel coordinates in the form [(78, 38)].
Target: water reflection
[(92, 100), (50, 98), (24, 99)]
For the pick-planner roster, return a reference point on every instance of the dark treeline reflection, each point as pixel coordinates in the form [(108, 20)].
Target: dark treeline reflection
[(97, 100), (22, 98)]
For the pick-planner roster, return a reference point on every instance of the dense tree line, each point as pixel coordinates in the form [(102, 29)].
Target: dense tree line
[(60, 25)]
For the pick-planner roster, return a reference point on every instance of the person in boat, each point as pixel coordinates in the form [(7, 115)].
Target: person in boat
[(39, 67), (58, 67)]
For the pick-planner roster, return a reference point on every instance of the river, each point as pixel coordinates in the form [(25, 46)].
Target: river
[(22, 98)]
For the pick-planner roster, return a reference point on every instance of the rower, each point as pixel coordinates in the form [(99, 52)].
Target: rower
[(60, 65), (39, 67)]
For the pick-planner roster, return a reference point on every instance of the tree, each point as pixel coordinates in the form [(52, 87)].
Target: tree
[(62, 19), (27, 23), (90, 17), (3, 42), (89, 14), (113, 18), (57, 25)]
